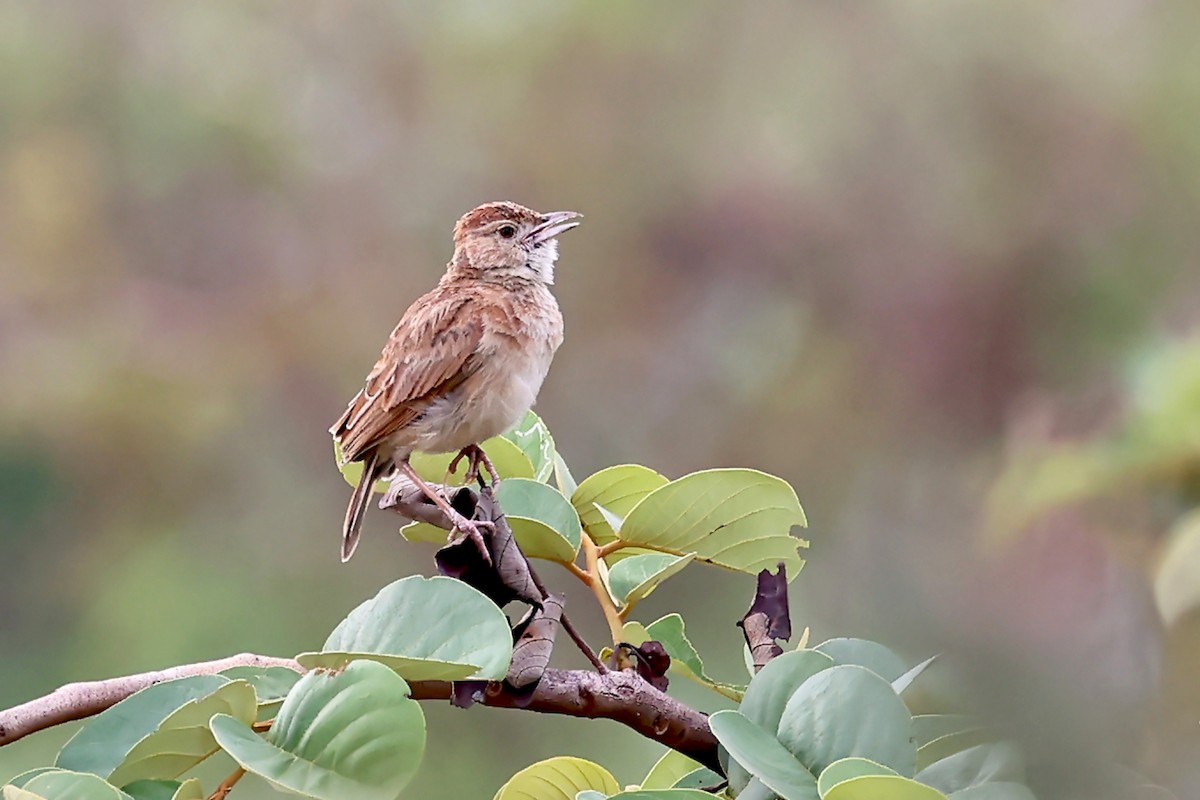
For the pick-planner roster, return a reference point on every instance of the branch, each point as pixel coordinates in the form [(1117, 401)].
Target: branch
[(620, 696), (78, 700)]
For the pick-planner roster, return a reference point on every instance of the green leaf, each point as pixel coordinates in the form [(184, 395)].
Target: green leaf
[(183, 739), (736, 518), (684, 659), (928, 727), (769, 691), (633, 579), (846, 768), (844, 711), (762, 755), (1005, 791), (1177, 579), (508, 459), (425, 629), (668, 770), (533, 438), (271, 685), (945, 746), (984, 763), (349, 734), (102, 745), (28, 775), (662, 794), (62, 784), (865, 653), (165, 790), (542, 519), (563, 477), (11, 792), (618, 489), (701, 778), (906, 680), (558, 778), (883, 787)]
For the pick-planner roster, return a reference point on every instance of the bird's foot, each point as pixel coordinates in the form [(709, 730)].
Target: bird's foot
[(476, 458), (472, 529)]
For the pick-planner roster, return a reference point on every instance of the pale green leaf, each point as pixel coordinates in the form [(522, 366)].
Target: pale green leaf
[(984, 763), (736, 518), (846, 768), (349, 734), (271, 685), (60, 784), (183, 740), (844, 711), (507, 457), (928, 727), (11, 792), (1177, 579), (543, 521), (425, 629), (563, 477), (102, 745), (618, 489), (883, 787), (906, 680), (165, 790), (558, 778), (533, 438), (634, 578), (668, 770), (865, 653), (762, 755), (1003, 790), (669, 630)]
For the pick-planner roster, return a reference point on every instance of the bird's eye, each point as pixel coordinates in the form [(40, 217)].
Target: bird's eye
[(507, 231)]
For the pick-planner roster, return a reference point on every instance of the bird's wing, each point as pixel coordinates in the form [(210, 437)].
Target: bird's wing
[(431, 351)]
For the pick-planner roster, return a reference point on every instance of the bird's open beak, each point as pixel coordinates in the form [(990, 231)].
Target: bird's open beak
[(552, 225)]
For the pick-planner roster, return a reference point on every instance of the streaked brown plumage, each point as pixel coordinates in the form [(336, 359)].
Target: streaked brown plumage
[(466, 360)]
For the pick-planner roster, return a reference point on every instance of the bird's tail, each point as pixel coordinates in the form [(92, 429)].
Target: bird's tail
[(374, 468)]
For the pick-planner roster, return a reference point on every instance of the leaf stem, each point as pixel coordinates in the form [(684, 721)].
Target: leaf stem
[(227, 785), (591, 556), (606, 550)]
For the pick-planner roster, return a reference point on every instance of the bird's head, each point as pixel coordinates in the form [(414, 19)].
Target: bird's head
[(506, 240)]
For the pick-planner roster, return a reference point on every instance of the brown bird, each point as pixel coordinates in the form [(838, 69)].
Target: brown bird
[(466, 360)]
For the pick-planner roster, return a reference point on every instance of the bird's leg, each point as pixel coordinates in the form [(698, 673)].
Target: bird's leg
[(470, 527), (476, 456)]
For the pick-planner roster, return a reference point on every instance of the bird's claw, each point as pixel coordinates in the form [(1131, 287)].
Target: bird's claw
[(471, 528)]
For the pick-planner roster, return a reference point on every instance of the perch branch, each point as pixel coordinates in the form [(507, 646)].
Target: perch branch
[(620, 696), (79, 700)]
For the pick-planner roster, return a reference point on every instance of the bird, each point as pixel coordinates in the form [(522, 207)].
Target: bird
[(465, 362)]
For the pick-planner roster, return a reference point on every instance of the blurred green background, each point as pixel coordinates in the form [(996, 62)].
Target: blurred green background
[(903, 254)]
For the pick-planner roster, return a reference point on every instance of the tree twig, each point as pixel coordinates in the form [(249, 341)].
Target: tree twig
[(620, 696), (79, 700), (227, 785)]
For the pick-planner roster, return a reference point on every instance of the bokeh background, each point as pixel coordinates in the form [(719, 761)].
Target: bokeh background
[(936, 264)]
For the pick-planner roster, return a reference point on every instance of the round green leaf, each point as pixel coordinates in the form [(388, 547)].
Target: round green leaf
[(271, 685), (183, 739), (865, 653), (633, 579), (662, 794), (668, 770), (425, 629), (543, 521), (617, 489), (1011, 791), (62, 784), (165, 790), (737, 518), (558, 778), (883, 787), (354, 733), (505, 455), (533, 438), (1177, 581), (845, 711), (102, 745), (28, 775), (761, 754), (769, 691), (846, 768), (984, 763)]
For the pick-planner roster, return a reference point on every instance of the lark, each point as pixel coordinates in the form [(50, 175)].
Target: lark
[(465, 362)]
